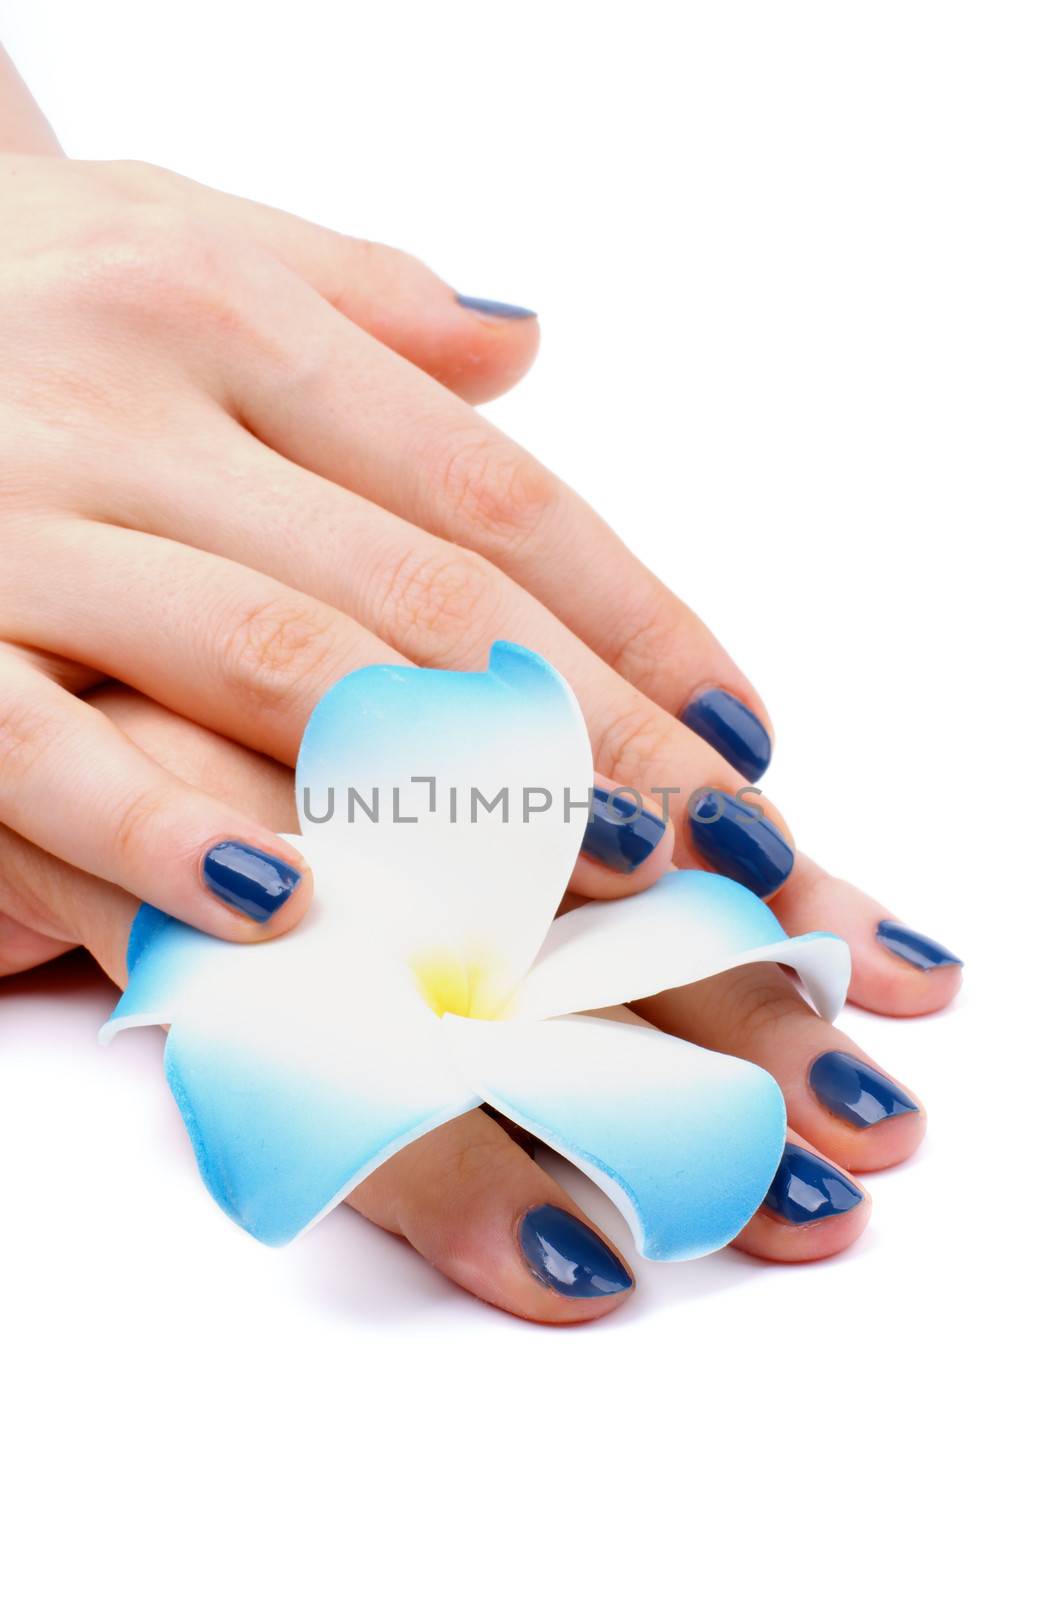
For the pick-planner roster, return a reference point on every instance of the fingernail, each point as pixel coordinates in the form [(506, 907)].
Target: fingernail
[(620, 833), (493, 308), (565, 1255), (249, 880), (732, 728), (859, 1094), (916, 948), (808, 1188), (738, 841)]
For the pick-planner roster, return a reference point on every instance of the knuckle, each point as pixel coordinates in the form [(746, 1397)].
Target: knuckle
[(638, 646), (26, 730), (494, 492), (159, 268), (755, 999), (634, 744), (136, 819), (269, 649), (30, 895), (438, 606), (366, 261)]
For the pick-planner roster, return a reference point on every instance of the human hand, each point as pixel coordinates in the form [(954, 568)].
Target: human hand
[(225, 378), (467, 1196)]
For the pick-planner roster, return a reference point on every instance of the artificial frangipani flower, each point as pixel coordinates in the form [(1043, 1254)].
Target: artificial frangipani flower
[(442, 814)]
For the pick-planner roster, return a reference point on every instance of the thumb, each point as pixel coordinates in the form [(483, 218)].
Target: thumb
[(478, 348)]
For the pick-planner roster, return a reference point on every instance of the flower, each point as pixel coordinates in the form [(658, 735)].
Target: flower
[(429, 976)]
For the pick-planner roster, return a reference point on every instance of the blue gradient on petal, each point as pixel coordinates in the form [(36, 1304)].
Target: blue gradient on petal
[(373, 724), (276, 1144), (161, 956), (692, 1141)]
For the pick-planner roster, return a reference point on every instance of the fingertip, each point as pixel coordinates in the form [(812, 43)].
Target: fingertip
[(480, 1210), (487, 347), (886, 1145), (814, 1209), (897, 971), (628, 845), (264, 890), (477, 348)]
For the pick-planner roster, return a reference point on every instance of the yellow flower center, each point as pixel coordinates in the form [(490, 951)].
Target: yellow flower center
[(459, 988)]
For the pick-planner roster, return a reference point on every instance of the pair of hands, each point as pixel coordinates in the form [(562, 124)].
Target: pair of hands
[(238, 462)]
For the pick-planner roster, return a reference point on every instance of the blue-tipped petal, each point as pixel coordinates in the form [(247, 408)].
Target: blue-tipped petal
[(281, 1138), (684, 1141), (298, 1065), (688, 926)]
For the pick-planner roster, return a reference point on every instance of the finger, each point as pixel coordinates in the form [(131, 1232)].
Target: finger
[(77, 787), (813, 1209), (63, 903), (476, 1206), (441, 607), (478, 348), (341, 404), (836, 1095), (212, 640), (625, 849), (22, 948), (628, 844), (896, 970), (466, 1197)]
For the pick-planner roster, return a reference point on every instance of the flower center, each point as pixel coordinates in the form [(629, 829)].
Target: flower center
[(456, 987)]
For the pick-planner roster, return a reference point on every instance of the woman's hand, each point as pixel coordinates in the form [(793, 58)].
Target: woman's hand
[(230, 635), (230, 382), (467, 1197)]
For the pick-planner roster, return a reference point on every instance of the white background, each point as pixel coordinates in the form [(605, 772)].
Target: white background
[(797, 271)]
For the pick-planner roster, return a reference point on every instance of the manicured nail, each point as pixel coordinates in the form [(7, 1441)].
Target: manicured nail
[(565, 1255), (732, 728), (249, 880), (739, 842), (620, 834), (807, 1188), (916, 948), (493, 308), (859, 1094)]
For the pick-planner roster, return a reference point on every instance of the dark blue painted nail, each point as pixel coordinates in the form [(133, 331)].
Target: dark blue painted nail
[(859, 1094), (807, 1188), (737, 840), (249, 880), (565, 1255), (620, 834), (916, 948), (493, 308), (732, 728)]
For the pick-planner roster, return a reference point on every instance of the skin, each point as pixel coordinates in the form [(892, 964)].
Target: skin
[(284, 411), (239, 460), (458, 1194)]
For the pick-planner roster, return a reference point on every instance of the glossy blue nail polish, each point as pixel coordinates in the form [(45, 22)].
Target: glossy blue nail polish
[(916, 948), (807, 1188), (249, 880), (565, 1255), (732, 728), (736, 840), (855, 1092), (620, 833), (494, 308)]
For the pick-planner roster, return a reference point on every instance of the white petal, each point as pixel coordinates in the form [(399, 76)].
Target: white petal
[(343, 958), (688, 926), (684, 1141), (474, 897), (298, 1065), (286, 1121)]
